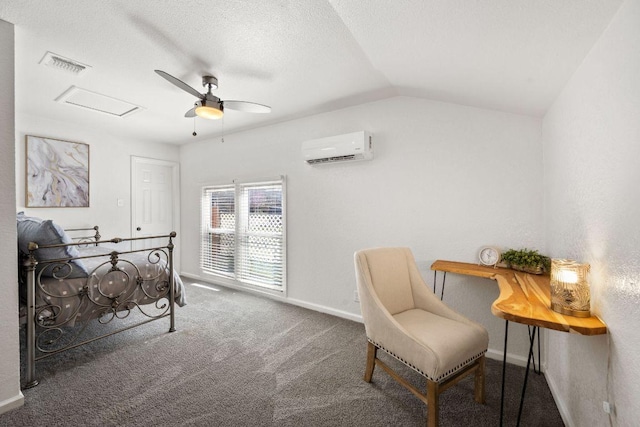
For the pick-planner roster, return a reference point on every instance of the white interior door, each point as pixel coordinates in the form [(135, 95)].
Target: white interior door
[(154, 199)]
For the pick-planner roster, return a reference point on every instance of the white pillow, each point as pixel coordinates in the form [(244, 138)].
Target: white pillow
[(46, 232)]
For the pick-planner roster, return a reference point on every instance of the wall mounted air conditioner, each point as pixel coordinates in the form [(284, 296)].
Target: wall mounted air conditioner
[(339, 148)]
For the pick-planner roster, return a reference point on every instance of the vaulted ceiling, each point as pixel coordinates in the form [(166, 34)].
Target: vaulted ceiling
[(301, 57)]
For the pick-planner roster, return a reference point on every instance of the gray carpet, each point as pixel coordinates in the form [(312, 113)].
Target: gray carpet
[(241, 360)]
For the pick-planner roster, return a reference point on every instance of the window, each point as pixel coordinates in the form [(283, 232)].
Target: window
[(243, 233)]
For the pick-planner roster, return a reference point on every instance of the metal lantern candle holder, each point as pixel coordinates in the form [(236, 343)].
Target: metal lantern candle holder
[(569, 288)]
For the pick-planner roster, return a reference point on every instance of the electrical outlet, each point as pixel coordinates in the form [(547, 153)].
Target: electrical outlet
[(356, 297), (607, 407)]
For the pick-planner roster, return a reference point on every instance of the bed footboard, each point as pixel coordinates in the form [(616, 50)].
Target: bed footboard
[(65, 311)]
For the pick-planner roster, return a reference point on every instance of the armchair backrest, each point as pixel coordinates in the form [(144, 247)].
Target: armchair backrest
[(388, 271)]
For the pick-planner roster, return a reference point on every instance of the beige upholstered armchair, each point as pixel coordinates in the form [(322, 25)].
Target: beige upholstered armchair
[(403, 317)]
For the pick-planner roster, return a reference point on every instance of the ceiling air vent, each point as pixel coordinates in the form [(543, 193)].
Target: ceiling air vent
[(67, 65), (96, 102)]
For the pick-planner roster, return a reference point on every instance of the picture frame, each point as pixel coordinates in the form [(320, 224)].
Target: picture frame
[(56, 173)]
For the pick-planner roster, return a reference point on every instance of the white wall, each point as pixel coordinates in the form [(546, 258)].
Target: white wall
[(10, 395), (445, 180), (591, 138), (110, 160), (109, 169)]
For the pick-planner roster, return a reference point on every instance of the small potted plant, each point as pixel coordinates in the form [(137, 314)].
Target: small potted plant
[(529, 261)]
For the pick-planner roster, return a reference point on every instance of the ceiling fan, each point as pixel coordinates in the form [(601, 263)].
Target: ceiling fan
[(208, 105)]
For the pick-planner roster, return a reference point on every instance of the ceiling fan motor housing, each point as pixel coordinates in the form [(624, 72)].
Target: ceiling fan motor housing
[(213, 103), (210, 80)]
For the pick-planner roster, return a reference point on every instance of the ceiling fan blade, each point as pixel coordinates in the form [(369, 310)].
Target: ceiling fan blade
[(182, 85), (247, 107), (191, 113)]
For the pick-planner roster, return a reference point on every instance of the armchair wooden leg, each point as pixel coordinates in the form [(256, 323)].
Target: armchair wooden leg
[(372, 351), (479, 381), (432, 403)]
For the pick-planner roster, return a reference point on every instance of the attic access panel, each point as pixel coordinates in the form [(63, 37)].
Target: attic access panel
[(93, 101)]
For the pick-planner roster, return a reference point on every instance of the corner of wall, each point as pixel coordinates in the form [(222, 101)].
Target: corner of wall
[(10, 395)]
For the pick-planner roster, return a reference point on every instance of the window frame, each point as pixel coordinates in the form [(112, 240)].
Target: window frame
[(234, 279)]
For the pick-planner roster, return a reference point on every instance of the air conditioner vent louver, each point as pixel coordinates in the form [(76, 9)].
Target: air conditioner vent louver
[(332, 159), (68, 65)]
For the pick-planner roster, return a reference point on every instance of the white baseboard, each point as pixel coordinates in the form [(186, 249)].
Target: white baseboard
[(564, 413), (511, 358), (299, 303), (12, 403), (327, 310)]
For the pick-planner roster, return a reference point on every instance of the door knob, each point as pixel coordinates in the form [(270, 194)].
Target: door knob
[(138, 228)]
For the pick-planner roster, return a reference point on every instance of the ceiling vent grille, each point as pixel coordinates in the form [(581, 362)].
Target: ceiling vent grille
[(92, 101), (61, 63)]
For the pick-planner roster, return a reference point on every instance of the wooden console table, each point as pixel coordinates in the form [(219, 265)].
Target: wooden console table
[(524, 298)]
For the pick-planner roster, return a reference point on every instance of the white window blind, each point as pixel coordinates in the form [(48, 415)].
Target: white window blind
[(218, 246), (244, 233)]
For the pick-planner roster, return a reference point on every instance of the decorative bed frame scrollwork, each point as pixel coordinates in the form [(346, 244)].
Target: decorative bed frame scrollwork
[(90, 239), (122, 282)]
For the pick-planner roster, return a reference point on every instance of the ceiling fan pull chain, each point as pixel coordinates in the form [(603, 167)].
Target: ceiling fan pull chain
[(222, 123), (194, 127)]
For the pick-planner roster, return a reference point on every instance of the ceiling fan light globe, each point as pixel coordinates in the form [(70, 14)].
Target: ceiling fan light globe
[(209, 112)]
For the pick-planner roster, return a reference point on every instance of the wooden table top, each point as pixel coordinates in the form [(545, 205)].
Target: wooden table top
[(525, 298)]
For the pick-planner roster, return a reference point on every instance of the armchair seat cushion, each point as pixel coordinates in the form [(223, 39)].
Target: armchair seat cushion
[(450, 343)]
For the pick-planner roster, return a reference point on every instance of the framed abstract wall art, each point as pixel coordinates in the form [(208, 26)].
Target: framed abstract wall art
[(57, 173)]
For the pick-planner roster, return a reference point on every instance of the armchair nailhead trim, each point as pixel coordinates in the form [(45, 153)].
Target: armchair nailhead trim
[(441, 377)]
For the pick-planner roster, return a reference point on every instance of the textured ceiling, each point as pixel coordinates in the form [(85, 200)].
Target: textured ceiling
[(300, 57)]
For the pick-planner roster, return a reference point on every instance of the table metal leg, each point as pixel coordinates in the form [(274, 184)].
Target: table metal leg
[(531, 354), (504, 366), (435, 279), (526, 374), (539, 358)]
